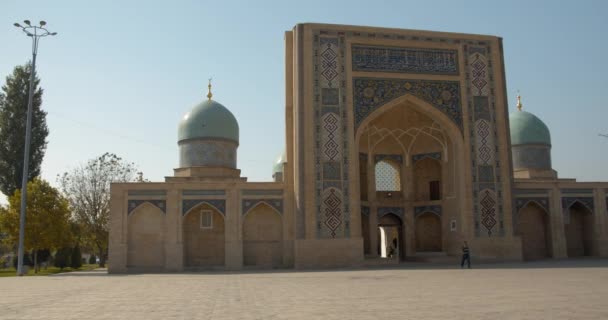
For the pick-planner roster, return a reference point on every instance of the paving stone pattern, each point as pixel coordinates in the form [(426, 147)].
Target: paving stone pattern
[(542, 290)]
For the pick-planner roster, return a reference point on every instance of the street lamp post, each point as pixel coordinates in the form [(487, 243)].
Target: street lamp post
[(35, 32)]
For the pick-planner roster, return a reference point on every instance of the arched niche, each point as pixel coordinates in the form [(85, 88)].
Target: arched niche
[(428, 232), (263, 237), (203, 233), (145, 230), (534, 227), (578, 228)]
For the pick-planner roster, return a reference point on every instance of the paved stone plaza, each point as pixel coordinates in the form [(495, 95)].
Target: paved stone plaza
[(541, 290)]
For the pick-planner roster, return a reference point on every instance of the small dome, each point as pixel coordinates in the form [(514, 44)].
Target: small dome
[(278, 165), (527, 128), (209, 119)]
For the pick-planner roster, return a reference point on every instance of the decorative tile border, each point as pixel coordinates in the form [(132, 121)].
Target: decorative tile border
[(567, 202), (432, 155), (133, 204), (156, 192), (262, 192), (404, 60), (488, 215), (219, 204), (248, 204), (542, 202), (531, 191), (330, 127), (392, 157), (436, 209), (191, 192), (577, 191)]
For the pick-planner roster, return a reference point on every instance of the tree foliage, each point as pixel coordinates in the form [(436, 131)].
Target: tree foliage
[(87, 189), (76, 259), (63, 257), (47, 215), (13, 114)]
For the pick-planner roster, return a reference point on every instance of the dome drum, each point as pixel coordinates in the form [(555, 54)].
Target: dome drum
[(531, 157), (207, 153)]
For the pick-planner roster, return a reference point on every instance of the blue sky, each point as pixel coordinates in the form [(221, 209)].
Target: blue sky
[(121, 74)]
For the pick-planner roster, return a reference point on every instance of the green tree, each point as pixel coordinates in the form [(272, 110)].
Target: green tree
[(63, 257), (13, 114), (76, 259), (87, 188), (47, 216)]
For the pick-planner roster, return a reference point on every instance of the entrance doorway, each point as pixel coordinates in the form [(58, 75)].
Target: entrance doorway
[(390, 237), (579, 231)]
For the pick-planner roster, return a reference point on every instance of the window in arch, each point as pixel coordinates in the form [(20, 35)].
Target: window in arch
[(206, 219), (388, 177)]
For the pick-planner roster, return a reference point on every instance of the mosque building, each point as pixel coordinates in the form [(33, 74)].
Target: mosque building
[(399, 146)]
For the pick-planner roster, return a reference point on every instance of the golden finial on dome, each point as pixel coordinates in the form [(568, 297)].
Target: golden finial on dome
[(209, 95), (519, 105)]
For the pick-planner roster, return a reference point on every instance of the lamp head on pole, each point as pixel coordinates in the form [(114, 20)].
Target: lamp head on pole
[(17, 25), (27, 22), (42, 23)]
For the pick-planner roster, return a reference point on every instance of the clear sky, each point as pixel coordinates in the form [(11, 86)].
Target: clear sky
[(121, 74)]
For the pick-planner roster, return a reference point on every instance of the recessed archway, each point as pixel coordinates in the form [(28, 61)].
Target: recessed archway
[(263, 237), (579, 230), (145, 237), (428, 233), (203, 237), (534, 228), (391, 242)]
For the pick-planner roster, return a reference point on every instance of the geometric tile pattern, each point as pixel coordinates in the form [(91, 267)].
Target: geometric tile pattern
[(488, 217), (398, 211), (331, 156), (407, 60), (487, 201), (423, 209), (542, 202), (567, 202), (218, 204), (248, 204), (394, 157), (432, 155), (370, 94), (133, 204), (521, 202)]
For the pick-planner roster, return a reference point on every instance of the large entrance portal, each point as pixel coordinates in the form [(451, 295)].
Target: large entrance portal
[(407, 159)]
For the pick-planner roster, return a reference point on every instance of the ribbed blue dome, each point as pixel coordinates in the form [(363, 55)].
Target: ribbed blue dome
[(527, 128), (209, 119)]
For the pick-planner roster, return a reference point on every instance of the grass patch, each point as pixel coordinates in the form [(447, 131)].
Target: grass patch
[(11, 272)]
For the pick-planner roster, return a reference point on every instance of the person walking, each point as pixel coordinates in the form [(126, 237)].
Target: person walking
[(466, 256)]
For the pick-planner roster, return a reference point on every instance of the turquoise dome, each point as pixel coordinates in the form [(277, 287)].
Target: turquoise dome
[(209, 119), (278, 165), (527, 128)]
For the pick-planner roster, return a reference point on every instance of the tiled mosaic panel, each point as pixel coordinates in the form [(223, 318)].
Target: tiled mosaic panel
[(133, 204), (219, 204), (370, 94), (568, 202), (487, 194), (521, 202), (398, 211), (331, 195), (248, 204), (406, 60), (420, 156), (422, 209)]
